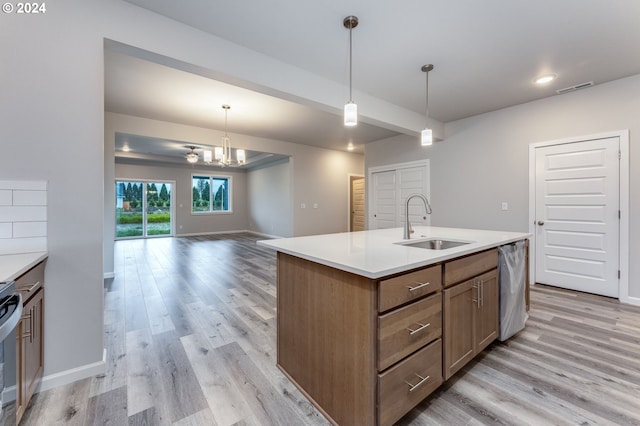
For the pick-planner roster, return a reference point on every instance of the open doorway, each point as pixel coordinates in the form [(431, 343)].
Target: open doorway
[(356, 203)]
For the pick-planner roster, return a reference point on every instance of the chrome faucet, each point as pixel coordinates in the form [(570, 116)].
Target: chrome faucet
[(408, 230)]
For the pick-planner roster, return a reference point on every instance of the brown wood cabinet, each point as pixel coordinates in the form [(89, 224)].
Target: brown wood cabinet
[(30, 337), (367, 351), (470, 310), (364, 351)]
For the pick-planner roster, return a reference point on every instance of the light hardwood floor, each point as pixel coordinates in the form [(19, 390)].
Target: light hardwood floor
[(190, 337)]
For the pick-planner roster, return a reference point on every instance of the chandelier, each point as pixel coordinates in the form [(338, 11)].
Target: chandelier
[(222, 154)]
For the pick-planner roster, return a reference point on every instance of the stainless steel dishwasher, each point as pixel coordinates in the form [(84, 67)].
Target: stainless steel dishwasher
[(10, 313)]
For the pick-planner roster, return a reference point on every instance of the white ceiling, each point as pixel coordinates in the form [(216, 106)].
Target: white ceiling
[(147, 89), (486, 55)]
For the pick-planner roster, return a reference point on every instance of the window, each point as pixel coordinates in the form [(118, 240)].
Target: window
[(210, 194)]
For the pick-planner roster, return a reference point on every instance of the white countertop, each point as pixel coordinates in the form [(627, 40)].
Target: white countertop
[(373, 254), (14, 265)]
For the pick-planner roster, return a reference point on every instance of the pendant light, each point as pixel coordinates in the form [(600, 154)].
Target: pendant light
[(426, 136), (350, 108)]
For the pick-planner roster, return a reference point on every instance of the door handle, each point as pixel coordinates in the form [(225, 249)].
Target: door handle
[(540, 222)]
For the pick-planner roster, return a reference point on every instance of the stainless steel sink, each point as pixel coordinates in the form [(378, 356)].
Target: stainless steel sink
[(434, 244)]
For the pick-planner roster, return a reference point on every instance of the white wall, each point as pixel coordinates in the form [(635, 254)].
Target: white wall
[(185, 222), (52, 128), (269, 194), (484, 159), (51, 119)]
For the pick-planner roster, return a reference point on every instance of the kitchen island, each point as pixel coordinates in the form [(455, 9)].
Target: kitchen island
[(368, 325)]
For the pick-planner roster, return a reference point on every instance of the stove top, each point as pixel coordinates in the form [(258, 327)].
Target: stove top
[(7, 288)]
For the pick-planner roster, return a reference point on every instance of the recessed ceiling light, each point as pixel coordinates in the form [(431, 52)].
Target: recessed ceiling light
[(545, 79)]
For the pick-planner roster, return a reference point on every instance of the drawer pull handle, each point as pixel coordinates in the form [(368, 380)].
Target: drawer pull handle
[(419, 286), (422, 327), (29, 287), (417, 385)]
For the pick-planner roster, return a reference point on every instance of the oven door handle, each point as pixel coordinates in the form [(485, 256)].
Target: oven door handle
[(13, 304)]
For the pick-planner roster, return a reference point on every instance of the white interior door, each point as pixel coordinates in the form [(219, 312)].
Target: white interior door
[(390, 188), (384, 200), (412, 180), (577, 215)]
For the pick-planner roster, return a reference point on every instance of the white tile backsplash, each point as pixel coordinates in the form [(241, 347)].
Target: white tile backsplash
[(23, 216), (6, 197), (29, 229), (6, 230), (23, 213), (29, 198), (33, 185), (23, 245)]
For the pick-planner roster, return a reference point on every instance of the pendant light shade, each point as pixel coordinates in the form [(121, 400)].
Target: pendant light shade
[(350, 114), (240, 156), (208, 158), (426, 136), (350, 108)]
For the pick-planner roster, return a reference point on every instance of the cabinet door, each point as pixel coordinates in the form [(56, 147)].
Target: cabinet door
[(30, 354), (487, 309), (459, 331)]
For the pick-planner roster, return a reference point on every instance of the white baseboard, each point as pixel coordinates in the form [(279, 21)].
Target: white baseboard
[(69, 376), (260, 234), (198, 234), (240, 231), (108, 275), (631, 300), (62, 378)]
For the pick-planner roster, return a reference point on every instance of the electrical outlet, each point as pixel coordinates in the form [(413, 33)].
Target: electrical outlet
[(505, 205), (303, 206)]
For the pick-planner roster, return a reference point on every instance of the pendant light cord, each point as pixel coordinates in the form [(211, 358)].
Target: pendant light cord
[(426, 68), (427, 101), (350, 64), (226, 110)]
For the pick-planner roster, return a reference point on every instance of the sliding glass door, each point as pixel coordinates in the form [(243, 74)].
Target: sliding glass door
[(143, 209)]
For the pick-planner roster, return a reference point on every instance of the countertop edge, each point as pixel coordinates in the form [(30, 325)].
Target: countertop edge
[(441, 256), (14, 265)]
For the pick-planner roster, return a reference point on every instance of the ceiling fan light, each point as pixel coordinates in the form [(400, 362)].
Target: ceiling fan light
[(192, 157), (426, 137), (350, 114)]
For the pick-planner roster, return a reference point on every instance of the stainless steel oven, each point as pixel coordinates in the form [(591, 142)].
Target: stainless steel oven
[(10, 313)]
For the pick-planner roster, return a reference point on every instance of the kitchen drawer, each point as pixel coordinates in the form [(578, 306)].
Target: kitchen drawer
[(459, 270), (403, 387), (30, 282), (405, 288), (404, 330)]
